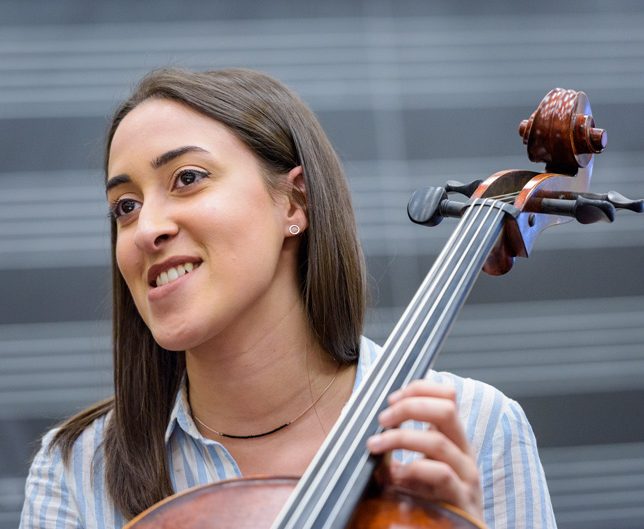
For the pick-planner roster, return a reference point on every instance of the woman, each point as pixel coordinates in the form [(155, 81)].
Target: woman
[(238, 308)]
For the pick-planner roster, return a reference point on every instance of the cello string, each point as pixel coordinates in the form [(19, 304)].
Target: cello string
[(479, 255), (505, 196)]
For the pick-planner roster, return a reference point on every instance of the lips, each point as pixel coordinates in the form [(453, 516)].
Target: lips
[(171, 269)]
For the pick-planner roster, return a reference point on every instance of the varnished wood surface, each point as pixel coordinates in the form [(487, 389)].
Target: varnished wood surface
[(253, 503)]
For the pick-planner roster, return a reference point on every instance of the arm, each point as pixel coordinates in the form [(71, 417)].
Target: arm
[(48, 502), (516, 493)]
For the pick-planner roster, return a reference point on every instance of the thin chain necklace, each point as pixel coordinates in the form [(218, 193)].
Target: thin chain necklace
[(254, 436)]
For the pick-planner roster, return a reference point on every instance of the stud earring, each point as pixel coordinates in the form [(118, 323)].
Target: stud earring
[(294, 229)]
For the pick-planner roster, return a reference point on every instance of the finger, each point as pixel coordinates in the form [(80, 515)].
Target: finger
[(432, 444), (441, 413), (437, 481), (422, 387)]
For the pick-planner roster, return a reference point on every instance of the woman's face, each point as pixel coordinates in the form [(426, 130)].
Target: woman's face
[(202, 245)]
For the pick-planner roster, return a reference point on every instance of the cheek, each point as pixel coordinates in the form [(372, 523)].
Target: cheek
[(127, 259)]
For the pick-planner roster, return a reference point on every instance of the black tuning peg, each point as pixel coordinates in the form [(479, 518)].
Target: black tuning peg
[(618, 200), (454, 186), (429, 205), (585, 210)]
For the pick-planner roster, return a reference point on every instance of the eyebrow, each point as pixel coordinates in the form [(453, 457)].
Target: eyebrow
[(167, 157), (117, 181), (158, 162)]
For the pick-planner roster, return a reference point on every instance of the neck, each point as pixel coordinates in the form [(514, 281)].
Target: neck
[(253, 385)]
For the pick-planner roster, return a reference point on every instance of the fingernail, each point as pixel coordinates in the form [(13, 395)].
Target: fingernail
[(395, 396), (374, 443)]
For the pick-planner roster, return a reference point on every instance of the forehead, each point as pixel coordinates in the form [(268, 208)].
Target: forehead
[(159, 125)]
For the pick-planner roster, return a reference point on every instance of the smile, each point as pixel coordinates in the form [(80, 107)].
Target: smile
[(174, 273)]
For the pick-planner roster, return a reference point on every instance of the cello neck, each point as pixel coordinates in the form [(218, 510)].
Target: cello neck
[(335, 480)]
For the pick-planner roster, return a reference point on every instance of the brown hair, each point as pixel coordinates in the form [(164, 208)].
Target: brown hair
[(283, 133)]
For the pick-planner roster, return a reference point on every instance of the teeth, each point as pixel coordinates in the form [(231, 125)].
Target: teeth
[(173, 273)]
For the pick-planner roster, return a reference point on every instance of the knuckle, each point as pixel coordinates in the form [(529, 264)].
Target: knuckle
[(405, 408), (444, 475), (448, 410), (439, 445), (474, 477), (450, 393)]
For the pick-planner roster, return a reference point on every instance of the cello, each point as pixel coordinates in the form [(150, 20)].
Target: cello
[(499, 221)]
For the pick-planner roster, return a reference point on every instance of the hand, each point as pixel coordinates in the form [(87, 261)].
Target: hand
[(448, 471)]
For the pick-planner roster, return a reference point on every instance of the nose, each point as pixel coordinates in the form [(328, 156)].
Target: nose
[(155, 227)]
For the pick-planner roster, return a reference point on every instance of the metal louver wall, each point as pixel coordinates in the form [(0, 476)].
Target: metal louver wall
[(411, 95)]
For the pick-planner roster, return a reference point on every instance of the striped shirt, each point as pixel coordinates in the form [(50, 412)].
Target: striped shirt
[(515, 493)]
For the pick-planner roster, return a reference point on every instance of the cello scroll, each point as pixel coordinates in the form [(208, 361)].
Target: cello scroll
[(561, 133)]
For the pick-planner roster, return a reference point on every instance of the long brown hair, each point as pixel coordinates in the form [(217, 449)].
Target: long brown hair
[(283, 133)]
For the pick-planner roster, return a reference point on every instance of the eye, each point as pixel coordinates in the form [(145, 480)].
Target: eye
[(123, 207), (187, 177)]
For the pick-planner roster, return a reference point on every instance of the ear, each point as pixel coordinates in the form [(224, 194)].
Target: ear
[(296, 195)]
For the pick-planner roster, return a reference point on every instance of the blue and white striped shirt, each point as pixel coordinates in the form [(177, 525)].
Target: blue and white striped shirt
[(515, 493)]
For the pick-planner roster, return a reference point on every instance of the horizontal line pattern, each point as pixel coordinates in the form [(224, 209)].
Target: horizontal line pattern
[(595, 487), (49, 369), (545, 348), (333, 63)]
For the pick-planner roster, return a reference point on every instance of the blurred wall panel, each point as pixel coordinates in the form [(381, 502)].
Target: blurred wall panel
[(412, 94)]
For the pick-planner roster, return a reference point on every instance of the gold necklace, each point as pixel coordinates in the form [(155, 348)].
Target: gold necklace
[(254, 436)]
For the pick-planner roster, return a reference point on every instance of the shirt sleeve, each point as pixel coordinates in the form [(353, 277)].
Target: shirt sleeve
[(48, 501), (515, 492)]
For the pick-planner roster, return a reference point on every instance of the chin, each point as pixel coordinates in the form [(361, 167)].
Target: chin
[(177, 340)]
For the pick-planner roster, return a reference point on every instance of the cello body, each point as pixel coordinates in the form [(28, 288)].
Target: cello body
[(218, 506)]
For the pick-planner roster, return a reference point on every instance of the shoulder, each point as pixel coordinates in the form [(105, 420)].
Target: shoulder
[(57, 488), (483, 409), (85, 448)]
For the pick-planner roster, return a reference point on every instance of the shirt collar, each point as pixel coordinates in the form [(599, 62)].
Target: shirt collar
[(181, 414)]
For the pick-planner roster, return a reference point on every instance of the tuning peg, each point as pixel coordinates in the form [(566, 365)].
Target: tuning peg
[(429, 205), (621, 202), (585, 210), (423, 206), (454, 186)]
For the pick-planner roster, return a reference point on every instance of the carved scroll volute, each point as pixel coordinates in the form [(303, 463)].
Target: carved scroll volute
[(561, 133)]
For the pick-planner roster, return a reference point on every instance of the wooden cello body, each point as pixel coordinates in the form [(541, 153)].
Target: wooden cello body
[(500, 221)]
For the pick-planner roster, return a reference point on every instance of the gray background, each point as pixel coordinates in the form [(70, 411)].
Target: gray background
[(412, 94)]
